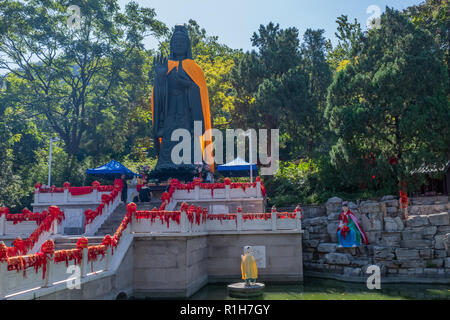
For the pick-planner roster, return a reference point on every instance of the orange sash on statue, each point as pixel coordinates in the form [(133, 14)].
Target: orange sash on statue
[(196, 74)]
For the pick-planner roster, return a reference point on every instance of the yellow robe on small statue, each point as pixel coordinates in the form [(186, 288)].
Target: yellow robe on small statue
[(248, 267)]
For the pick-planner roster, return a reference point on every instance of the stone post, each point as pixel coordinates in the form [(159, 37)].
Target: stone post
[(36, 196), (48, 272), (108, 257), (3, 270), (3, 279), (96, 195), (258, 189), (66, 195), (274, 218), (239, 221), (298, 217), (2, 224), (84, 263), (54, 228), (197, 192), (106, 209), (227, 192), (299, 221)]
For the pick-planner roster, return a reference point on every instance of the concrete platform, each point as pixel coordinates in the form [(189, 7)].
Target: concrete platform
[(240, 290)]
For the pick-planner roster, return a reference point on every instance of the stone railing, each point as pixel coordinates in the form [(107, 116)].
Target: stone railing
[(48, 271), (224, 193), (34, 235), (62, 196), (163, 221), (104, 212)]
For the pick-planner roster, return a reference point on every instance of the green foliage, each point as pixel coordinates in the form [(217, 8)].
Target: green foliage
[(345, 111), (382, 108), (293, 183)]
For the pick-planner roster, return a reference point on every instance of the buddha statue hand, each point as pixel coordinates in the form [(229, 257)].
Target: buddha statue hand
[(183, 79), (160, 65)]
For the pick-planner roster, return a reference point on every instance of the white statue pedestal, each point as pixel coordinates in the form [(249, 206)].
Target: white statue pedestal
[(241, 290)]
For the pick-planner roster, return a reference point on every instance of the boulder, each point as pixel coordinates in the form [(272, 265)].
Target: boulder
[(333, 204), (352, 272), (417, 221), (439, 253), (368, 207), (443, 229), (393, 224), (429, 230), (392, 211), (332, 231), (334, 216), (410, 234), (311, 243), (327, 247), (383, 253), (338, 258), (371, 223), (390, 239), (387, 198), (439, 219), (447, 262), (442, 241), (374, 237), (407, 254), (413, 264), (413, 244), (426, 253), (435, 263)]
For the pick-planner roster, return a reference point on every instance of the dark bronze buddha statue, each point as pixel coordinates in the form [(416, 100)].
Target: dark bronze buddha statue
[(179, 98)]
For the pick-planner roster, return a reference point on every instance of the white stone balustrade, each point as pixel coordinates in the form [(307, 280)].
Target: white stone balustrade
[(14, 285), (60, 198), (215, 225), (226, 193)]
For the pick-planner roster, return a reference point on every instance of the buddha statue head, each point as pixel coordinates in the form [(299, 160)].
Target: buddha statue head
[(180, 44)]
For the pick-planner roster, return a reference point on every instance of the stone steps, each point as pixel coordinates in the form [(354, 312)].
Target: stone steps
[(65, 243), (113, 222)]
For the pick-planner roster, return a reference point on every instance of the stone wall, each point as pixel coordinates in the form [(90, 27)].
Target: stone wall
[(283, 256), (169, 266), (412, 250)]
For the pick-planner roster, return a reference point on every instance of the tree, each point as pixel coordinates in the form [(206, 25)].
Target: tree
[(62, 64), (434, 15), (389, 106), (350, 40), (320, 76), (273, 87)]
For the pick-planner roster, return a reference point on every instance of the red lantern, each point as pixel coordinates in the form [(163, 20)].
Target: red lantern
[(48, 247), (82, 243), (95, 184)]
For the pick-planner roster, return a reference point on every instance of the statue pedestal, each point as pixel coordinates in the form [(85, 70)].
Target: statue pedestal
[(240, 290)]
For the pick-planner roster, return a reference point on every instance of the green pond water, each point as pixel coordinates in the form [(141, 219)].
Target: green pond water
[(323, 289)]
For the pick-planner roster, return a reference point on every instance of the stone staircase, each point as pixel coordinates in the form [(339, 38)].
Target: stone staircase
[(113, 222), (108, 227)]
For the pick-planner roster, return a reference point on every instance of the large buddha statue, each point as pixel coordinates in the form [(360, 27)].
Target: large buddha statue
[(179, 98)]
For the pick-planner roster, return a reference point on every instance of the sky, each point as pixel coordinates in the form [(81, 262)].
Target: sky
[(234, 21)]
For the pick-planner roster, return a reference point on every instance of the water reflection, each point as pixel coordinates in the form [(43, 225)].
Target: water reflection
[(323, 289)]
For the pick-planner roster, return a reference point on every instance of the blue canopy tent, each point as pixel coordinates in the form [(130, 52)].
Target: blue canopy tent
[(112, 170), (237, 168)]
